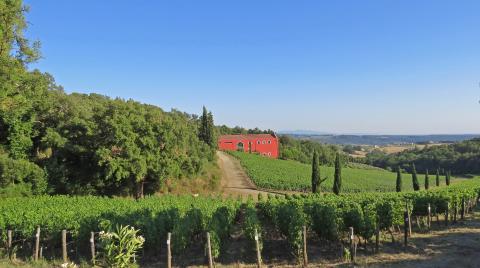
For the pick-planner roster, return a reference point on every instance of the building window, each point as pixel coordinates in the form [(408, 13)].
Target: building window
[(263, 142), (240, 147), (258, 142), (269, 142), (269, 154)]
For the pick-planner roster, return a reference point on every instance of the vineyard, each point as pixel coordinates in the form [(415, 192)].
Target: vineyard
[(277, 174), (187, 218)]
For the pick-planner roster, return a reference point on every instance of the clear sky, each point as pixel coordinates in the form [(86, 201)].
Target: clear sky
[(390, 67)]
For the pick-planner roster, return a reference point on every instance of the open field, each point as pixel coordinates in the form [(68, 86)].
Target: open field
[(290, 175), (391, 148)]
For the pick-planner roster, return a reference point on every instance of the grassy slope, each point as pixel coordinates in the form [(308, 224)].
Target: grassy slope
[(290, 175)]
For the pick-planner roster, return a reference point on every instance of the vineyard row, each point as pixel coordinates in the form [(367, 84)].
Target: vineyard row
[(188, 219)]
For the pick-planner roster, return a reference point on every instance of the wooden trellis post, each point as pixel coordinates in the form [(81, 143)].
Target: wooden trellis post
[(209, 248), (37, 245), (455, 212), (92, 247), (259, 255), (446, 214), (406, 220), (352, 245), (429, 220), (305, 256), (169, 250), (409, 219), (64, 246), (9, 239)]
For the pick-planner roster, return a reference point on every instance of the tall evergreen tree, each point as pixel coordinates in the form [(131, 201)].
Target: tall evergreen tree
[(416, 185), (211, 131), (447, 178), (206, 131), (399, 180), (437, 178), (315, 172), (427, 180), (316, 178), (337, 183)]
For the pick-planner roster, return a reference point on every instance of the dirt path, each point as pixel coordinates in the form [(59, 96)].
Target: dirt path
[(234, 179), (456, 246)]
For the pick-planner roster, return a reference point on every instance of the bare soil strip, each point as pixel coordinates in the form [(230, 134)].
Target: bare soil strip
[(235, 180)]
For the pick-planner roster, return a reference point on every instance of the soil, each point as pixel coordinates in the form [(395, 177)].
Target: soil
[(235, 180), (453, 246)]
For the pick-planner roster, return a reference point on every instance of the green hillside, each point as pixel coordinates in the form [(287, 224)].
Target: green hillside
[(278, 174)]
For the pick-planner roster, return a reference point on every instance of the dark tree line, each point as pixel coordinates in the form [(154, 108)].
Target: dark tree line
[(53, 142), (459, 158), (302, 151), (225, 130)]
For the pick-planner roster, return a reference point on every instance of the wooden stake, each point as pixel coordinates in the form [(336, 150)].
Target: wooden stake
[(406, 220), (446, 214), (37, 245), (209, 248), (305, 257), (409, 221), (259, 255), (92, 247), (169, 250), (64, 246), (429, 219), (417, 219), (455, 212), (352, 244), (9, 239)]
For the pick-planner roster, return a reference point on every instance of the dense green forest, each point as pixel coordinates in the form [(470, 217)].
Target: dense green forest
[(226, 130), (459, 158), (53, 142), (302, 151)]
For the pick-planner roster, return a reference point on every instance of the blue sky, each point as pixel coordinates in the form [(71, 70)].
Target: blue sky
[(390, 67)]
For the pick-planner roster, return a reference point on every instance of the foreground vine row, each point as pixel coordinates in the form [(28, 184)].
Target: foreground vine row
[(189, 218)]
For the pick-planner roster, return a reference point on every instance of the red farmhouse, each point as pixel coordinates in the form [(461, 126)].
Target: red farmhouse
[(264, 144)]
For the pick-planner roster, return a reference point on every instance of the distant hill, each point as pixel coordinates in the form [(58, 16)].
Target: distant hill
[(381, 139)]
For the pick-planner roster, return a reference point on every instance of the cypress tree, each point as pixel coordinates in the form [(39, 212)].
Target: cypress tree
[(337, 183), (399, 180), (427, 180), (437, 178), (206, 132), (211, 131), (315, 173), (447, 178), (416, 185), (203, 131)]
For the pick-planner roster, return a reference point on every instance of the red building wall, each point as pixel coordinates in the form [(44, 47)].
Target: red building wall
[(264, 144)]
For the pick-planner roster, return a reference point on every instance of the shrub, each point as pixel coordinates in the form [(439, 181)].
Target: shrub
[(119, 247)]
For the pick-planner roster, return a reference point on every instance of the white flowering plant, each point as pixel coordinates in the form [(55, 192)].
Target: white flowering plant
[(69, 265), (119, 247)]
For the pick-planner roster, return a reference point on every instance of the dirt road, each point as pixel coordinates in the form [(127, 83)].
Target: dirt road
[(234, 179)]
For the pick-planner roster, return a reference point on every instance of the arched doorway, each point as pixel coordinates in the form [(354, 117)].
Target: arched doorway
[(240, 147)]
